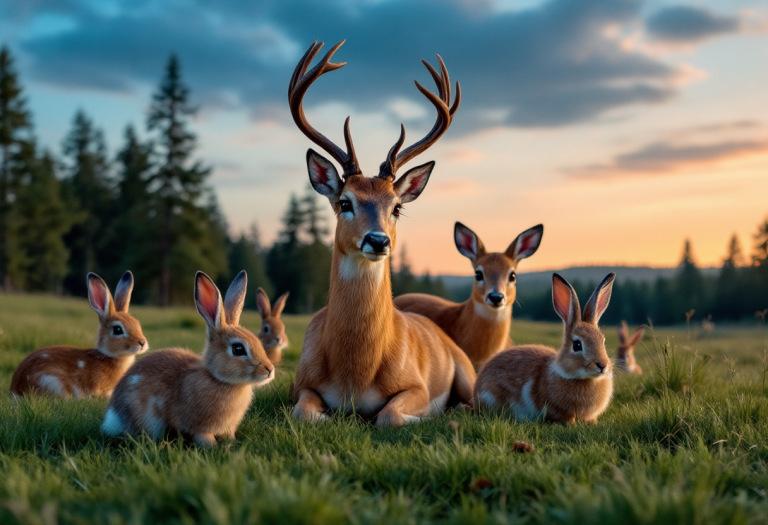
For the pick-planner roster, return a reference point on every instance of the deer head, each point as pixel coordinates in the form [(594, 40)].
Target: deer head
[(367, 207)]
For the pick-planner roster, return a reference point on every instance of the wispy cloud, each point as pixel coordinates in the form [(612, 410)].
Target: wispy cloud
[(687, 24)]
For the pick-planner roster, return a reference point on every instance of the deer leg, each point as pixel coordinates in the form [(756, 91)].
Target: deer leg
[(406, 407), (310, 406)]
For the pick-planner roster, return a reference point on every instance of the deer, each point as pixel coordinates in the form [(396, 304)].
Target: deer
[(480, 325), (360, 354)]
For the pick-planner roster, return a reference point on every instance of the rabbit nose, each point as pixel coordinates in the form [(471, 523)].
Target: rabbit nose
[(601, 366), (142, 342)]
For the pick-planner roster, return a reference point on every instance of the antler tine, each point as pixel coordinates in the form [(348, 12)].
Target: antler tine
[(297, 88), (445, 112)]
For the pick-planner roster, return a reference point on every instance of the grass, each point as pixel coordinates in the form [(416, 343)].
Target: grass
[(685, 443)]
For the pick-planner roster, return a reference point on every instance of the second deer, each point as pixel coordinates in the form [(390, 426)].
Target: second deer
[(479, 325)]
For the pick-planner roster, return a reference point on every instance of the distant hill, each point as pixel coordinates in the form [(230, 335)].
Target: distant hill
[(537, 282)]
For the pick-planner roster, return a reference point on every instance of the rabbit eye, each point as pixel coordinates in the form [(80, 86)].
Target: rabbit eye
[(117, 330), (238, 350), (479, 276), (512, 277), (577, 346), (266, 328)]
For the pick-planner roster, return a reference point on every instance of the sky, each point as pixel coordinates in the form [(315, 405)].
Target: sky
[(624, 126)]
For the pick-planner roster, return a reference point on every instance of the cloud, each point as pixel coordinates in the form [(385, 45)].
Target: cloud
[(683, 24), (662, 158), (543, 66)]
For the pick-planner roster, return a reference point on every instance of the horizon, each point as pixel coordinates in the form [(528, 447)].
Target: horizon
[(650, 107)]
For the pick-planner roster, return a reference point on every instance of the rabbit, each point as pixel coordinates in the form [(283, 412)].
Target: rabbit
[(566, 385), (203, 397), (68, 371), (625, 354), (272, 335)]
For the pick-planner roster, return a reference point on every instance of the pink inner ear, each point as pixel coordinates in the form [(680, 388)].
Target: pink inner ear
[(415, 183), (321, 172), (526, 243), (602, 300), (466, 241), (208, 299), (98, 297), (562, 300)]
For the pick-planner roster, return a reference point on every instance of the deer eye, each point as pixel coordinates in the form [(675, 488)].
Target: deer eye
[(479, 276), (238, 350), (577, 346), (345, 206), (512, 277), (397, 210), (117, 330)]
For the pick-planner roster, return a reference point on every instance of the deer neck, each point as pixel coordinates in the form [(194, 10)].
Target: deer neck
[(359, 323)]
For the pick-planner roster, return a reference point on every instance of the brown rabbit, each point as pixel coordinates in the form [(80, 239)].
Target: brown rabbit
[(70, 371), (201, 397), (625, 354), (573, 383), (272, 335)]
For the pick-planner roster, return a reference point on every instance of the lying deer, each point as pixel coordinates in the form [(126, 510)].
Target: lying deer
[(480, 325), (360, 353)]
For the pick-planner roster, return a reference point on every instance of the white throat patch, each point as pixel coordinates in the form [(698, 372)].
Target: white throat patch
[(351, 267)]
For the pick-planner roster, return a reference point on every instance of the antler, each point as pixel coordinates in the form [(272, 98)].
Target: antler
[(442, 102), (300, 82)]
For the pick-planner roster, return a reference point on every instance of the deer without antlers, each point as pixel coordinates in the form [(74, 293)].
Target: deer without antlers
[(360, 353), (479, 325)]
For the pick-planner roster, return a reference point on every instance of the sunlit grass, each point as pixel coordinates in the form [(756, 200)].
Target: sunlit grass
[(677, 445)]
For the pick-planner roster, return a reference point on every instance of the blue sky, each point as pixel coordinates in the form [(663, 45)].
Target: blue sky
[(622, 125)]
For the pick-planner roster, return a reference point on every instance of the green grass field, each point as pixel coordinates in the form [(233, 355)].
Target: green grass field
[(675, 446)]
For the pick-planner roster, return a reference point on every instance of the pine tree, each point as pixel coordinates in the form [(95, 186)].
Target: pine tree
[(246, 253), (15, 131), (178, 187), (131, 224), (42, 220), (689, 283), (314, 218), (293, 222), (87, 187)]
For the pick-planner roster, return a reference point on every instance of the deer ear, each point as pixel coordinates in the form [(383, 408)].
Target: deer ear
[(323, 175), (467, 242), (262, 303), (208, 301), (277, 308), (123, 292), (410, 185), (234, 300), (565, 301), (598, 303), (526, 243), (99, 296)]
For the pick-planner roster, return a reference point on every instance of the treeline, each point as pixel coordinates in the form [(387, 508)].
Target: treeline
[(738, 291), (148, 209)]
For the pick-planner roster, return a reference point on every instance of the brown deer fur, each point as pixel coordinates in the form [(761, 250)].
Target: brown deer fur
[(479, 325), (175, 389), (69, 371), (566, 385)]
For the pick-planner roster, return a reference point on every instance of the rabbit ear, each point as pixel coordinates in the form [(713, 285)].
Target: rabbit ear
[(526, 243), (277, 308), (637, 336), (208, 301), (468, 243), (234, 300), (623, 332), (598, 303), (262, 303), (565, 301), (99, 296), (123, 292)]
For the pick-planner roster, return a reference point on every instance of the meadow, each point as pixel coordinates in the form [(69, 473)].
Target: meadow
[(685, 443)]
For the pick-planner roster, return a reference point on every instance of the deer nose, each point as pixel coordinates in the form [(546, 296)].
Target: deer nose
[(601, 366), (495, 298), (378, 242)]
